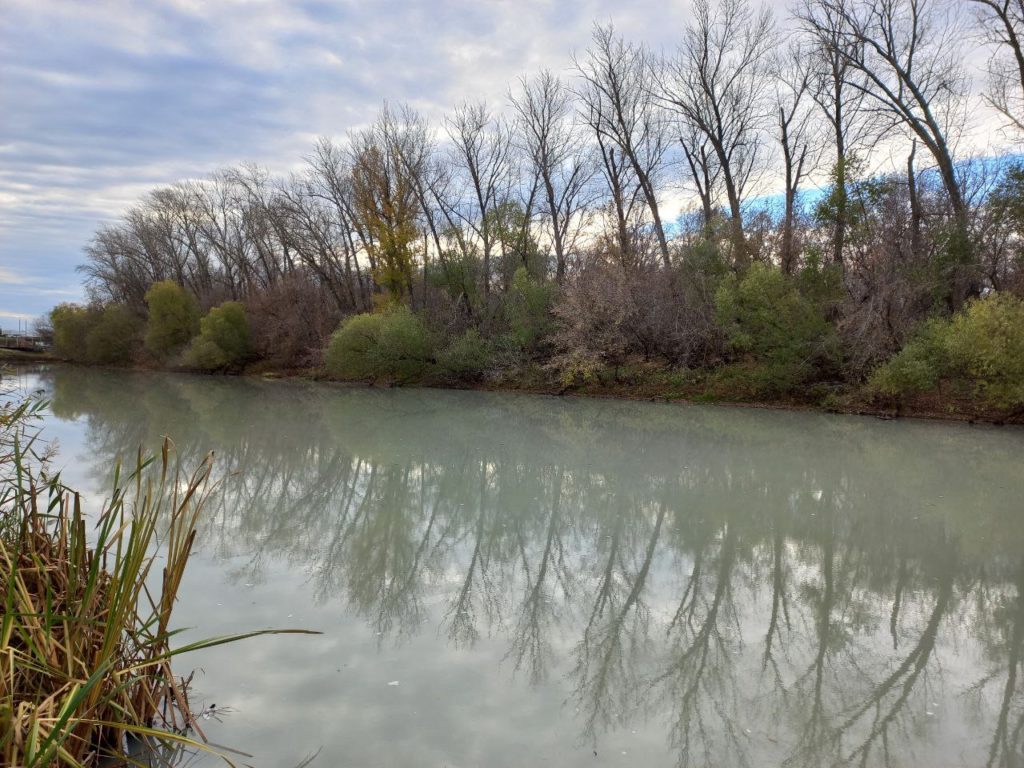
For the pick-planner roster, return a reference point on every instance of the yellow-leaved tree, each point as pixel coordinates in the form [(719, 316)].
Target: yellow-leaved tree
[(385, 204)]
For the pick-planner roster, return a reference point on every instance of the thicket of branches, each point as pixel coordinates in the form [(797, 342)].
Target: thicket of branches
[(787, 198)]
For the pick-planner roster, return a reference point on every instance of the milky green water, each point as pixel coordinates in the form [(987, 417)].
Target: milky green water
[(506, 580)]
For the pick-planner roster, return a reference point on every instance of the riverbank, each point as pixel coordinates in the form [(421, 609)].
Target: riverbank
[(26, 356), (649, 383), (671, 387)]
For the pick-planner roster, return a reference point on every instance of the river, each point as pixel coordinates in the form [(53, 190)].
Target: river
[(513, 580)]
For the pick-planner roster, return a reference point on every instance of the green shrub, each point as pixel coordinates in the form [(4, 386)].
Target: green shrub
[(392, 345), (986, 345), (819, 281), (351, 353), (466, 357), (920, 365), (768, 321), (71, 325), (173, 319), (578, 368), (224, 340), (526, 311), (94, 334), (749, 380), (204, 355), (982, 345), (114, 336)]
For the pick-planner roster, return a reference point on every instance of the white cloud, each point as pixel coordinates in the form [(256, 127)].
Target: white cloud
[(10, 277), (17, 316)]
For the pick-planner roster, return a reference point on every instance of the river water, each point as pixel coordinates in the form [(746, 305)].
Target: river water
[(510, 580)]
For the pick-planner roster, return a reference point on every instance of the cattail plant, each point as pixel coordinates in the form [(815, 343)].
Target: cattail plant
[(85, 634)]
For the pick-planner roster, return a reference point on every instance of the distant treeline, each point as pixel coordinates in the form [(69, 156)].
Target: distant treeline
[(540, 244)]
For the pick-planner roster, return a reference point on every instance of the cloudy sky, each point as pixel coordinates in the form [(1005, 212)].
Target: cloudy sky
[(101, 100)]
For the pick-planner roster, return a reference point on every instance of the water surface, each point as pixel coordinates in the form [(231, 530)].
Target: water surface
[(508, 580)]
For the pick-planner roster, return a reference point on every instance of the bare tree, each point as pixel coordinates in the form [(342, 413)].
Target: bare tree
[(481, 147), (224, 231), (266, 235), (180, 221), (116, 268), (557, 156), (329, 179), (704, 169), (309, 231), (839, 91), (717, 82), (620, 106), (910, 55), (797, 139), (1003, 22), (625, 199)]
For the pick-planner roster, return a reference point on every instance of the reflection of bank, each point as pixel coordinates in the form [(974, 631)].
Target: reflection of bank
[(767, 585)]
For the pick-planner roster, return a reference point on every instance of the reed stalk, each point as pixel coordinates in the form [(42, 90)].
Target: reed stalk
[(85, 635)]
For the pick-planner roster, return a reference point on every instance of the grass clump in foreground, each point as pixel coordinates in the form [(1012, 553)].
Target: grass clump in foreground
[(85, 640)]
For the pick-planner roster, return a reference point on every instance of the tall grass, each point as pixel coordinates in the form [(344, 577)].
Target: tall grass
[(85, 636)]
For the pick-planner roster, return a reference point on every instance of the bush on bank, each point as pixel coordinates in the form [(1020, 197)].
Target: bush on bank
[(173, 319), (466, 358), (93, 334), (224, 340), (71, 325), (979, 349), (112, 334), (114, 337), (391, 345), (778, 337)]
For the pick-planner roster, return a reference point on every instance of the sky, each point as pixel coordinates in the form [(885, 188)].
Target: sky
[(102, 100)]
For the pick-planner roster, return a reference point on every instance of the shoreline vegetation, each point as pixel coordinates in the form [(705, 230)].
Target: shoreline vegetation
[(967, 366), (86, 640), (653, 385), (543, 245)]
